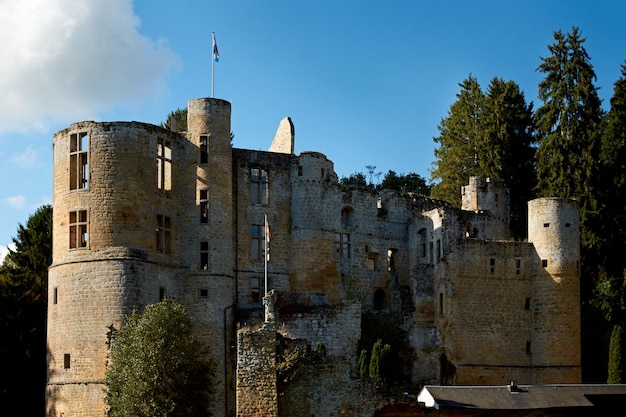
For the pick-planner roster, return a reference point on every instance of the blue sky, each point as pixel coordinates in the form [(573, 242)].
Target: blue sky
[(365, 82)]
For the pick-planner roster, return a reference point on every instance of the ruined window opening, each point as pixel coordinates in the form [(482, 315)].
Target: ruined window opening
[(55, 295), (342, 245), (255, 290), (162, 293), (204, 149), (347, 217), (544, 263), (256, 248), (421, 242), (440, 304), (78, 229), (299, 170), (204, 206), (379, 299), (372, 261), (204, 293), (164, 165), (391, 259), (66, 361), (259, 184), (163, 234), (204, 256), (527, 304), (430, 252), (492, 265), (79, 161)]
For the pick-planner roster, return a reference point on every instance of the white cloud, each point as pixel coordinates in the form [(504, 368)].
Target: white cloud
[(4, 251), (67, 60), (16, 201)]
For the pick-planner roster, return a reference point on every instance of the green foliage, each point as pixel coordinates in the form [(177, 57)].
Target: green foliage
[(363, 364), (23, 303), (388, 363), (616, 356), (178, 118), (486, 135), (409, 183), (377, 366), (158, 367), (356, 179)]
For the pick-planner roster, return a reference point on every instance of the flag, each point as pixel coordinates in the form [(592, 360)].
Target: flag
[(267, 239), (216, 53)]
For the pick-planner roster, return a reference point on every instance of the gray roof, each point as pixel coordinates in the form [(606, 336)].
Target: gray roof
[(518, 397)]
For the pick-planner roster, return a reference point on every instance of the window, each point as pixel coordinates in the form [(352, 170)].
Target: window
[(518, 266), (66, 361), (527, 304), (372, 261), (439, 250), (528, 351), (441, 304), (79, 161), (492, 265), (162, 293), (204, 206), (204, 293), (259, 186), (255, 290), (55, 296), (391, 259), (546, 225), (379, 299), (204, 149), (421, 242), (78, 229), (347, 217), (164, 165), (299, 170), (204, 256), (257, 242), (544, 263), (342, 245), (163, 234)]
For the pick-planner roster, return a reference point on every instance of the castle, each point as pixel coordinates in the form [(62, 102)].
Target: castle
[(142, 213)]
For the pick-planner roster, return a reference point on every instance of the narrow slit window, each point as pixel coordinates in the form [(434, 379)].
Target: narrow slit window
[(67, 362), (544, 263), (204, 149), (518, 266), (492, 265), (78, 229), (204, 256), (204, 206), (79, 161), (164, 165), (55, 296)]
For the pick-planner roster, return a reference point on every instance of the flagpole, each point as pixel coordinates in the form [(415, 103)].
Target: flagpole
[(266, 229), (212, 64)]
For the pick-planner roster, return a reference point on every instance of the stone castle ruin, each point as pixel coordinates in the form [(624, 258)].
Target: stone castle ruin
[(142, 213)]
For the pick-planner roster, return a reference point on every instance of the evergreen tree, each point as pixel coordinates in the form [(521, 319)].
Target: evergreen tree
[(23, 303), (176, 120), (457, 155), (409, 183), (158, 367), (508, 152), (356, 179), (616, 356)]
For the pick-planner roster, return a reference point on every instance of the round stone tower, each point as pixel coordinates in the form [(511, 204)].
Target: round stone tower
[(554, 230)]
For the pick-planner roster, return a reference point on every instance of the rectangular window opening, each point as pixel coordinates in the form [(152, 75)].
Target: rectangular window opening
[(544, 263), (518, 266), (55, 295), (204, 206), (255, 290), (546, 225), (259, 186), (528, 351), (440, 304), (164, 165), (163, 234), (342, 245), (492, 265), (204, 293), (527, 304), (66, 361), (162, 293), (79, 161), (204, 149), (78, 229), (256, 242), (204, 256)]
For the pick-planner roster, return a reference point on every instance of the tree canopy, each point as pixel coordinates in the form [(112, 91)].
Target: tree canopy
[(158, 366)]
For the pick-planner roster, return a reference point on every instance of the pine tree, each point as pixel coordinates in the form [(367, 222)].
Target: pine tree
[(460, 135), (509, 147), (616, 356)]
